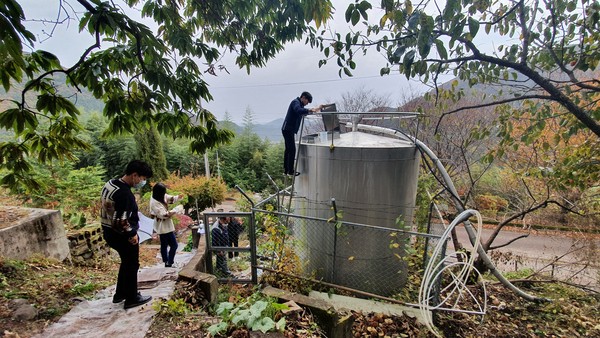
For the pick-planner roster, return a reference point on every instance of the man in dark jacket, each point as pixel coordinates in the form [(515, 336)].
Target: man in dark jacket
[(234, 228), (120, 223), (220, 237), (290, 127)]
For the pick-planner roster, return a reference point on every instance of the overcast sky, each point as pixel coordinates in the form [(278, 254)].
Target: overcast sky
[(267, 91)]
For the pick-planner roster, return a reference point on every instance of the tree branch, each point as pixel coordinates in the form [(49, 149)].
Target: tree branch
[(584, 117), (525, 32), (88, 6), (520, 214), (503, 16), (67, 71), (490, 104), (508, 243), (525, 280)]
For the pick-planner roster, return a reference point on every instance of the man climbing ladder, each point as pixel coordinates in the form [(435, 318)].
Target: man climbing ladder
[(291, 124)]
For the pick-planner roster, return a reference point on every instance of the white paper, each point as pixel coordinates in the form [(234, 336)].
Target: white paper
[(146, 227)]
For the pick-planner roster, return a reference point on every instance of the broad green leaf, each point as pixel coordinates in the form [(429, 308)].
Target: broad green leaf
[(216, 329), (264, 325), (473, 26), (349, 12), (441, 48), (408, 61), (355, 17), (280, 325)]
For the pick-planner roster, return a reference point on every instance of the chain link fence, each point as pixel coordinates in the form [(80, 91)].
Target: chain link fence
[(371, 260)]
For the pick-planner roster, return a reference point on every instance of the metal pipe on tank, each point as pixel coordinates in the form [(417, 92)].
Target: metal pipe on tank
[(457, 203)]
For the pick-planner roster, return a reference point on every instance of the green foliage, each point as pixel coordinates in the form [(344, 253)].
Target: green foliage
[(180, 159), (81, 288), (150, 150), (165, 85), (425, 192), (248, 160), (255, 314), (111, 153), (171, 307), (275, 237), (200, 191), (73, 191), (189, 244)]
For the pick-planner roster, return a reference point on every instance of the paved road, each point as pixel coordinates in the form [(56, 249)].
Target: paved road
[(564, 257)]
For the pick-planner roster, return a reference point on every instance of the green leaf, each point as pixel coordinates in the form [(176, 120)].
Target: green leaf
[(280, 325), (424, 40), (349, 12), (355, 18), (216, 329), (473, 27), (408, 61), (363, 7), (264, 325), (451, 9), (441, 48)]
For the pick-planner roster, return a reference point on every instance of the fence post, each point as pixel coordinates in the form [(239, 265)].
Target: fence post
[(335, 230)]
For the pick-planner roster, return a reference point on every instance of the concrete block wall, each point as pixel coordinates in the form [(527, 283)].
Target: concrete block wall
[(87, 243), (41, 231)]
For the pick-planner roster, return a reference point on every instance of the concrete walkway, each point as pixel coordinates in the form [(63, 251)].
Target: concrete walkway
[(101, 318)]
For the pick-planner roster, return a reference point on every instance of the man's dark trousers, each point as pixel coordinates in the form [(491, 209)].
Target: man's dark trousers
[(129, 253), (290, 151)]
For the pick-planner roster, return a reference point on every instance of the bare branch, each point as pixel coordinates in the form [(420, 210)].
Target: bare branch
[(508, 243), (520, 214), (491, 104), (583, 287), (503, 16)]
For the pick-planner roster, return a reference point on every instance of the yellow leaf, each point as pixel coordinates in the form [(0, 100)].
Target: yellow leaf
[(351, 258)]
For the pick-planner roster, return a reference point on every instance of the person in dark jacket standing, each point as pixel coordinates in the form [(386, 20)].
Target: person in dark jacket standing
[(120, 223), (220, 237), (290, 127), (234, 228)]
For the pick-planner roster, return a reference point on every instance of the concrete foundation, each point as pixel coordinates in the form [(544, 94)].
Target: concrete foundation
[(40, 231)]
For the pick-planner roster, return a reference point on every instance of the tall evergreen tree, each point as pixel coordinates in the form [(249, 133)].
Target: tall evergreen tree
[(150, 149)]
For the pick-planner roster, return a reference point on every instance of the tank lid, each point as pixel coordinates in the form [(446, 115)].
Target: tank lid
[(358, 139)]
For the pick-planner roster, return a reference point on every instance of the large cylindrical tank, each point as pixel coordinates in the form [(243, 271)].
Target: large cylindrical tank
[(373, 180)]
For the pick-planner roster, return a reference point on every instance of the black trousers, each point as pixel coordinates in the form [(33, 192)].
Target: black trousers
[(290, 151), (130, 263), (234, 242), (168, 247)]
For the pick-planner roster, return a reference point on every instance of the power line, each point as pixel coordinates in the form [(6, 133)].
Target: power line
[(296, 83)]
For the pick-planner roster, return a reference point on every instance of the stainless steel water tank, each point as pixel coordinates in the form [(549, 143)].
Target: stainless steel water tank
[(373, 180)]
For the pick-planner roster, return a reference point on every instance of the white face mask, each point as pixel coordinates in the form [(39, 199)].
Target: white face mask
[(140, 184)]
